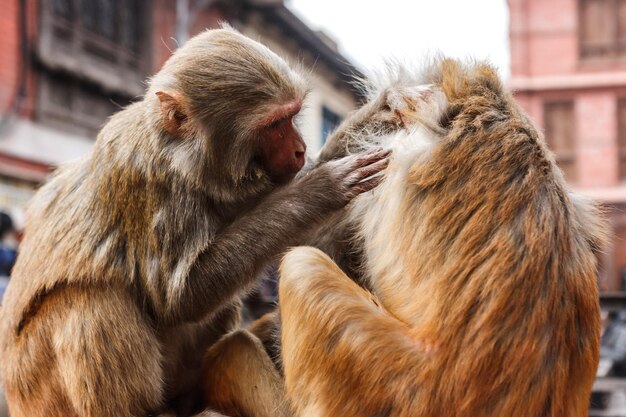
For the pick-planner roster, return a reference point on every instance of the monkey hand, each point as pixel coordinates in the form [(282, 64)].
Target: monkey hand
[(418, 104), (392, 109), (355, 174), (401, 106)]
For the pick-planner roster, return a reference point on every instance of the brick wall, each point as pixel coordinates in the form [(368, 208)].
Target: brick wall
[(546, 66), (9, 45), (11, 64), (164, 21)]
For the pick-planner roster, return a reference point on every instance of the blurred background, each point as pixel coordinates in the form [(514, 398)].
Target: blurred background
[(66, 65)]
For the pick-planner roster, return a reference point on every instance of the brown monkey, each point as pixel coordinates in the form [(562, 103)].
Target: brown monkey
[(337, 236), (134, 257), (227, 366), (481, 265)]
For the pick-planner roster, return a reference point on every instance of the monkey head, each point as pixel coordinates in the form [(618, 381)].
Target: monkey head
[(227, 106)]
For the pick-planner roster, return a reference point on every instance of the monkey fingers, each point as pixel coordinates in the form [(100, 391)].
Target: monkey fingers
[(371, 171), (370, 157), (368, 171), (405, 102), (369, 183)]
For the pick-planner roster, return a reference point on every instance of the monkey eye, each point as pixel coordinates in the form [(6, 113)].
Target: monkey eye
[(277, 123), (282, 114)]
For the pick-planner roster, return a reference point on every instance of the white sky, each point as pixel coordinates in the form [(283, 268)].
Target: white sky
[(369, 31)]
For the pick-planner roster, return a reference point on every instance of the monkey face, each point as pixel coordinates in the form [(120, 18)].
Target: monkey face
[(280, 147)]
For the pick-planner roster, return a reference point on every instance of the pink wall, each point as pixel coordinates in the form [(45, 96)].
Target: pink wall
[(545, 66)]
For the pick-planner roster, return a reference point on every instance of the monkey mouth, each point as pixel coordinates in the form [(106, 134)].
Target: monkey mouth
[(258, 171), (283, 178)]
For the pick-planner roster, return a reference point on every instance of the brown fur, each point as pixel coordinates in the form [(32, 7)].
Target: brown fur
[(134, 258), (337, 235), (241, 380), (482, 267), (267, 330)]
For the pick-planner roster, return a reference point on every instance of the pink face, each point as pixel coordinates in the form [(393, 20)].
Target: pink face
[(282, 147)]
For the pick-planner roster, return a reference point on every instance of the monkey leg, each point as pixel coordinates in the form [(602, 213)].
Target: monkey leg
[(108, 358), (240, 380), (343, 354)]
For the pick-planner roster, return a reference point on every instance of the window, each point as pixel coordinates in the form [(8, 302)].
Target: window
[(68, 104), (93, 60), (602, 29), (330, 121), (560, 134)]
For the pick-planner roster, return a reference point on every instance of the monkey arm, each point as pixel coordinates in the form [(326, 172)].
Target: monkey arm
[(232, 260), (337, 240), (337, 341), (374, 117)]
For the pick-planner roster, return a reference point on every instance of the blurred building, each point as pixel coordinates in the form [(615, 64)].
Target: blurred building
[(568, 69), (66, 65)]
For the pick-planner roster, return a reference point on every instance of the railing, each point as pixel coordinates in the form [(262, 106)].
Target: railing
[(609, 394), (613, 301)]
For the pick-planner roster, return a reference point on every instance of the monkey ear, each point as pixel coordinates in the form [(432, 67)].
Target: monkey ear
[(172, 112)]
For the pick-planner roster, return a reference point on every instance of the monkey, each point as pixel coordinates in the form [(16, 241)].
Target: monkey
[(480, 263), (135, 257), (336, 236), (223, 362)]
